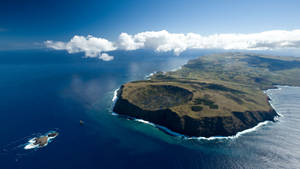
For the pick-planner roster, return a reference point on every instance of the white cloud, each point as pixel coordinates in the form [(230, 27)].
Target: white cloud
[(106, 57), (91, 46), (127, 42), (163, 41)]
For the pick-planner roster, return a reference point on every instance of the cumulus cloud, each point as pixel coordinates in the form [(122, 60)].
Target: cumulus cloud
[(106, 57), (164, 41), (161, 41), (91, 46)]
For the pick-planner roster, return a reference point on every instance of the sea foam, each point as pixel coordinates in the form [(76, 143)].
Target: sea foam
[(115, 97), (147, 77)]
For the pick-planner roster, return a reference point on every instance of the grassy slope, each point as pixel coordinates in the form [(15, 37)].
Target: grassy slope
[(240, 79)]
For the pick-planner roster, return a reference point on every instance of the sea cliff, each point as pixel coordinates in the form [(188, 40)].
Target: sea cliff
[(216, 95)]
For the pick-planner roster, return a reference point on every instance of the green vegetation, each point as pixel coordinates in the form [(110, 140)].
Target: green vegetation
[(218, 94), (251, 70)]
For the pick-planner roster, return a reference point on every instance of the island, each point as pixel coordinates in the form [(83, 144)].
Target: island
[(41, 141), (213, 95)]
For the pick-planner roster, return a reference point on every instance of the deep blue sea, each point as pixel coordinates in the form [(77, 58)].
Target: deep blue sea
[(44, 90)]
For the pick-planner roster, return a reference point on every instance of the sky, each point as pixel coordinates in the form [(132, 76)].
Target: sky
[(35, 23)]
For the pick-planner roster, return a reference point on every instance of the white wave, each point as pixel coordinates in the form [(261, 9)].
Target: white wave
[(170, 131), (50, 138), (31, 146), (115, 97), (32, 140), (114, 114), (147, 77), (159, 126), (144, 121), (238, 134)]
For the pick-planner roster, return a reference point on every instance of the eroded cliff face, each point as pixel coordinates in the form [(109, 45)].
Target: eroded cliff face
[(225, 126), (186, 123), (165, 117)]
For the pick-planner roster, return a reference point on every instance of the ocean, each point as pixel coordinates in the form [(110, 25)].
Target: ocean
[(46, 90)]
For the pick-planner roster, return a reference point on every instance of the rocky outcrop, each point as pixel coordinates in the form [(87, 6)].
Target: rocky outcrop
[(164, 117)]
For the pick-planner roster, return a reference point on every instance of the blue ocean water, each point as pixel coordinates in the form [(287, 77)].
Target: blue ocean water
[(43, 90)]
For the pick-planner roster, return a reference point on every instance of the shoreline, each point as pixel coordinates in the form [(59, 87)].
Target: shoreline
[(115, 96), (175, 134)]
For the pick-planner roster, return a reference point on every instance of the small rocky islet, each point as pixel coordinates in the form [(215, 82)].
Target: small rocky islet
[(213, 95), (41, 141)]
